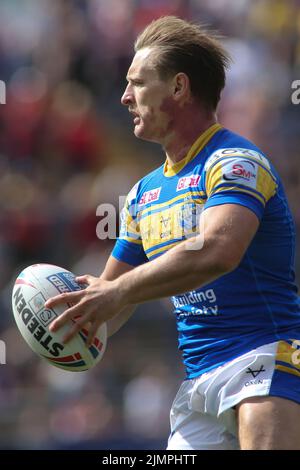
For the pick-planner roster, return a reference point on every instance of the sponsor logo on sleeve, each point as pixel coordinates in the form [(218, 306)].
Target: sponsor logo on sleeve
[(240, 171), (222, 154), (150, 196)]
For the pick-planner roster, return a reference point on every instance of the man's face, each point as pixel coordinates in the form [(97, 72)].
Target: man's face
[(146, 96)]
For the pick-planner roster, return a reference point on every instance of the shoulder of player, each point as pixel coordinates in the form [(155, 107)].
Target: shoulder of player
[(230, 145), (237, 153)]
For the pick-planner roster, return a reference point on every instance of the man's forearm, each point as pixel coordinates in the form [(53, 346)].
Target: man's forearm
[(177, 271)]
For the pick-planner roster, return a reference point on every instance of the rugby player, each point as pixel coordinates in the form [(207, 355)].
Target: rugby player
[(211, 228)]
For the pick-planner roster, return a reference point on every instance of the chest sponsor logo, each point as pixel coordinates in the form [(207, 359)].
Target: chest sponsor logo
[(150, 196), (243, 171), (185, 182), (197, 303)]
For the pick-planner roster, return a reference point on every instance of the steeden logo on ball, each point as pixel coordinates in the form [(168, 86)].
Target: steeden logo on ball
[(33, 286)]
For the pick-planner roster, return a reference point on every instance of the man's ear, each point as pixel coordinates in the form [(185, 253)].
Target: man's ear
[(181, 86)]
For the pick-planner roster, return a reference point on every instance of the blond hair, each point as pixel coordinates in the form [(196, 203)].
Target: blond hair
[(182, 46)]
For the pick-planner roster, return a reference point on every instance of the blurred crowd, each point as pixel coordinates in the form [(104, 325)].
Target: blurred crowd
[(66, 146)]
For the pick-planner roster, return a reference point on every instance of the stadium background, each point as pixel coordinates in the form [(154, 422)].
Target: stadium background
[(66, 146)]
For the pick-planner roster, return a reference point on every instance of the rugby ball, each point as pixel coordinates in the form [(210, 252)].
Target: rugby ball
[(33, 286)]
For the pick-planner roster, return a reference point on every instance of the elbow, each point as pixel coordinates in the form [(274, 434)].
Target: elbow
[(224, 256), (226, 262), (220, 263), (228, 265)]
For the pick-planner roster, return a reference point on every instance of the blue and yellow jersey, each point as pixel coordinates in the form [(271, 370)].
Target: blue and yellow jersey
[(255, 304)]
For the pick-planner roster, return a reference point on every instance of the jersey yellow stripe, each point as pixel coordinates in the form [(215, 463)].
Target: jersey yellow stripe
[(287, 369), (131, 240), (240, 190), (163, 248), (285, 352), (265, 184), (167, 247), (174, 199)]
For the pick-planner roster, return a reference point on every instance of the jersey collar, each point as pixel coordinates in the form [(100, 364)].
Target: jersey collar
[(197, 146)]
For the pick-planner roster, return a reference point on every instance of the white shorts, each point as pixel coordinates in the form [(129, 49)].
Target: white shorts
[(202, 415)]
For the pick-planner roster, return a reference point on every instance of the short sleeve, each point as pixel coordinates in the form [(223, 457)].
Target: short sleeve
[(241, 177)]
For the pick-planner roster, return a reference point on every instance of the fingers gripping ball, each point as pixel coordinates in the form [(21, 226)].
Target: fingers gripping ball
[(35, 285)]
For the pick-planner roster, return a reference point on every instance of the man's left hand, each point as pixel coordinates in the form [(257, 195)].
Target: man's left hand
[(100, 301)]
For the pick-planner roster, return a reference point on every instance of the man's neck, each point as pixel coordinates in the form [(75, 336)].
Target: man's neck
[(182, 139)]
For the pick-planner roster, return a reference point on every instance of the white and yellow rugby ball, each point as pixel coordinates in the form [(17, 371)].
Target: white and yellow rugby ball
[(35, 285)]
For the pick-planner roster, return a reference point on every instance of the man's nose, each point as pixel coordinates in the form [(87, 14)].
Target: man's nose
[(127, 97)]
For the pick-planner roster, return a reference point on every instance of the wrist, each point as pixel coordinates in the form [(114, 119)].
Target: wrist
[(122, 290)]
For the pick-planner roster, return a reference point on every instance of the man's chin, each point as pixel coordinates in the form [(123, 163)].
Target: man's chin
[(141, 134)]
